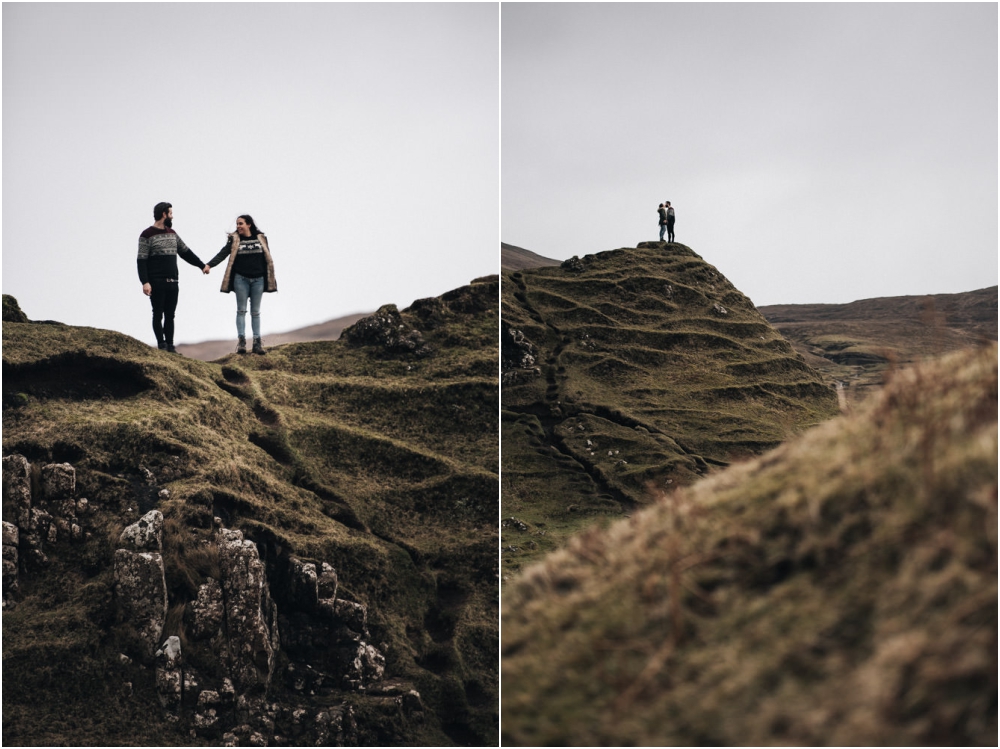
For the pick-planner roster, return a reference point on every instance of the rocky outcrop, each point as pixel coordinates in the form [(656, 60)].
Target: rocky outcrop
[(251, 618), (12, 310), (169, 677), (10, 542), (146, 534), (207, 613), (235, 617), (58, 481), (140, 585), (51, 517), (516, 351), (17, 489), (387, 331), (326, 635)]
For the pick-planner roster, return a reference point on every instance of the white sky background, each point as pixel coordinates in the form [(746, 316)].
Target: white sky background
[(362, 138), (813, 152)]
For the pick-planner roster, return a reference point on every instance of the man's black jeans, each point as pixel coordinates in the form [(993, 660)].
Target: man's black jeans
[(164, 300)]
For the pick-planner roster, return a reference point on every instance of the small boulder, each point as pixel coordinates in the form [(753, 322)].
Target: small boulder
[(12, 310), (145, 534), (303, 585), (142, 593), (327, 583), (11, 539), (168, 674), (58, 481), (17, 489), (206, 612), (386, 330)]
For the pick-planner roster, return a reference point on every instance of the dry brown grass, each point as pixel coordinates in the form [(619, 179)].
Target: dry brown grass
[(841, 589)]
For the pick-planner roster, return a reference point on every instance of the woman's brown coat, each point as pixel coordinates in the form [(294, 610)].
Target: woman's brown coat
[(270, 283)]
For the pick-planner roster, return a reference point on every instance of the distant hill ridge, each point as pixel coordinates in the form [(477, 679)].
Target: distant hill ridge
[(976, 308), (854, 344), (518, 258), (325, 331)]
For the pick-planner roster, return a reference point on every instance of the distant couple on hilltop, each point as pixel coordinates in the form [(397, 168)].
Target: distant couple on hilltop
[(666, 220), (250, 273)]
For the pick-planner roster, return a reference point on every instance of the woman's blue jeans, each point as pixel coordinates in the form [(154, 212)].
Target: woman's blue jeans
[(252, 289)]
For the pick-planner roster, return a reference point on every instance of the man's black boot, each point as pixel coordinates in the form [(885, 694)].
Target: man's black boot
[(258, 347), (241, 345)]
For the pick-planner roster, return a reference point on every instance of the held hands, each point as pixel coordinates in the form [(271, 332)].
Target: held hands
[(206, 269), (147, 289)]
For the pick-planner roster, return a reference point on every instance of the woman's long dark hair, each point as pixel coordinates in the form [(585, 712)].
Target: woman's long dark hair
[(254, 231)]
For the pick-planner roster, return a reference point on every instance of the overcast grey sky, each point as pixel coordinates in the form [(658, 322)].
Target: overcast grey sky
[(362, 138), (813, 152)]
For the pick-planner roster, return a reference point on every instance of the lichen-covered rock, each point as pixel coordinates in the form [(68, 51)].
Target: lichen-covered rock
[(327, 583), (209, 698), (352, 615), (516, 351), (145, 534), (12, 310), (205, 614), (37, 530), (11, 538), (206, 722), (336, 726), (168, 674), (303, 584), (142, 593), (58, 481), (17, 489), (366, 664), (386, 330), (251, 616), (227, 692)]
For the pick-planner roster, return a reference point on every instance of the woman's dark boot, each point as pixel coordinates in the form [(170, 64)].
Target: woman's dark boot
[(258, 347), (241, 345)]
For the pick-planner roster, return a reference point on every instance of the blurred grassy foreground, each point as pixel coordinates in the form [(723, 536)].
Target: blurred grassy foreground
[(838, 590)]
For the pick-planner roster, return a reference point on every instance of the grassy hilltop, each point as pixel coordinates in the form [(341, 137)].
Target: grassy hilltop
[(628, 372), (840, 590), (376, 454)]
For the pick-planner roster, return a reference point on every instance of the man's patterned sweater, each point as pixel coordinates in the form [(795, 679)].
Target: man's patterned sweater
[(158, 251)]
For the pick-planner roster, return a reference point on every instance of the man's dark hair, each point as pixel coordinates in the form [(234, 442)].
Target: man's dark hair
[(160, 209)]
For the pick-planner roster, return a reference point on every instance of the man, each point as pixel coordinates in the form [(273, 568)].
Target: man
[(663, 219), (159, 247), (670, 222)]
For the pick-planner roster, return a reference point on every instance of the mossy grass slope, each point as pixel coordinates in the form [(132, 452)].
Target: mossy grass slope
[(839, 590), (380, 462), (649, 369)]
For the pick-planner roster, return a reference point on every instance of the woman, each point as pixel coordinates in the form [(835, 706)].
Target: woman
[(250, 273)]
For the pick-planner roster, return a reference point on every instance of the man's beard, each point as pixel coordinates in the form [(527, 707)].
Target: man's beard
[(168, 222)]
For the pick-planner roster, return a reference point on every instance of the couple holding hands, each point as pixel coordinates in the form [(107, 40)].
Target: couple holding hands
[(249, 272)]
